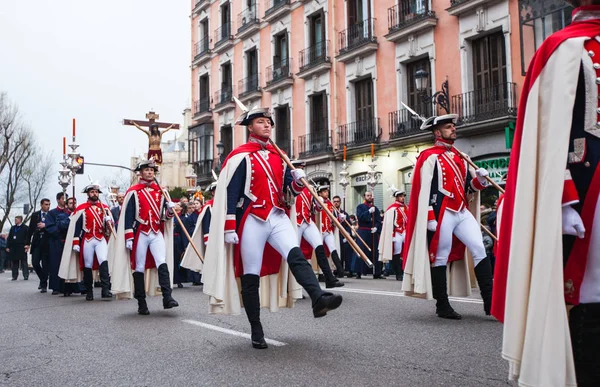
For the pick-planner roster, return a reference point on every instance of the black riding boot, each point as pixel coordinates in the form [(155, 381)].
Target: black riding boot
[(330, 280), (322, 302), (397, 265), (88, 281), (164, 280), (483, 273), (440, 293), (105, 280), (251, 299), (338, 264), (139, 292)]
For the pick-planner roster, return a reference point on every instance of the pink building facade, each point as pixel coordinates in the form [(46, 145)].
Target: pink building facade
[(335, 74)]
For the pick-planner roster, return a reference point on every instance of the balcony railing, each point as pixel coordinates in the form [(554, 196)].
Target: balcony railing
[(201, 47), (357, 35), (402, 123), (204, 168), (223, 96), (314, 55), (315, 143), (278, 71), (359, 133), (201, 106), (273, 5), (407, 12), (247, 17), (223, 33), (249, 84), (485, 104)]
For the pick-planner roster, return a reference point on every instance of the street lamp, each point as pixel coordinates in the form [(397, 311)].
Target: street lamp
[(440, 98)]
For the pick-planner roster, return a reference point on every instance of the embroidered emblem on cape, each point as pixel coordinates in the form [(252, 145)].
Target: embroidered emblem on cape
[(569, 288), (578, 153)]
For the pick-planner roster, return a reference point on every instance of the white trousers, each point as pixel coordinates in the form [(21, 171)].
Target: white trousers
[(310, 232), (329, 239), (277, 231), (100, 247), (464, 225), (398, 241), (156, 243)]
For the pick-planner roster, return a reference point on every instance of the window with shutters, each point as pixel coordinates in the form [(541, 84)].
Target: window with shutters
[(489, 73), (365, 127), (227, 139), (414, 97)]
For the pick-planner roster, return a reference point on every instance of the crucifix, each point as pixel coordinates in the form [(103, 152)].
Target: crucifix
[(154, 133)]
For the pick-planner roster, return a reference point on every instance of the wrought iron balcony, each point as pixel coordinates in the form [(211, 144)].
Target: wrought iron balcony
[(316, 143), (359, 35), (408, 13), (203, 168), (201, 106), (276, 9), (402, 123), (201, 49), (359, 133), (279, 71), (314, 55), (248, 21), (499, 101), (223, 34), (223, 96), (249, 85)]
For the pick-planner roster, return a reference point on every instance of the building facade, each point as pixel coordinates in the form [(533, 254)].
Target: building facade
[(336, 72)]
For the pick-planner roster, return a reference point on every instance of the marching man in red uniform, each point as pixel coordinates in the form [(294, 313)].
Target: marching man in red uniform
[(330, 234), (145, 241), (393, 232), (548, 265), (307, 230), (252, 235), (88, 233), (440, 225)]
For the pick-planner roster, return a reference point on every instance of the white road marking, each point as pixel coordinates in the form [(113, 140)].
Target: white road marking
[(231, 332), (398, 294)]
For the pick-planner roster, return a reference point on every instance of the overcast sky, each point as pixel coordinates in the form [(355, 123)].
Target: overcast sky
[(98, 62)]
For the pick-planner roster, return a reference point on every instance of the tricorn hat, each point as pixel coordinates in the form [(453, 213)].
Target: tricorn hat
[(249, 114), (432, 122), (90, 187), (322, 187), (212, 186), (299, 163), (146, 164)]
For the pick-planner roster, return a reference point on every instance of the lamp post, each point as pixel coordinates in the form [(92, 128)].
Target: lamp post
[(440, 98), (344, 182)]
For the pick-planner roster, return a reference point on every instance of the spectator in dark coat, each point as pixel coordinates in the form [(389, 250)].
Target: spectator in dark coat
[(15, 247)]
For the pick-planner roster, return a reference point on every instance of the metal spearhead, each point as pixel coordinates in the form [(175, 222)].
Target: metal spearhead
[(414, 113)]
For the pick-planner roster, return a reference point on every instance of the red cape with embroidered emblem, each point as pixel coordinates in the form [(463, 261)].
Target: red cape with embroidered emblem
[(588, 28)]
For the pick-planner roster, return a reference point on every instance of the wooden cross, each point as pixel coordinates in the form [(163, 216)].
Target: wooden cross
[(152, 117)]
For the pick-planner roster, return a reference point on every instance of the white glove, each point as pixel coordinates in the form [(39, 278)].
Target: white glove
[(342, 217), (107, 218), (171, 205), (572, 223), (298, 174), (76, 248), (232, 237), (432, 225), (344, 240), (372, 210), (373, 230), (481, 174), (129, 244), (321, 199)]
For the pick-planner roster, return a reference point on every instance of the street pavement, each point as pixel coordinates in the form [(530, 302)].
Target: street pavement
[(376, 338)]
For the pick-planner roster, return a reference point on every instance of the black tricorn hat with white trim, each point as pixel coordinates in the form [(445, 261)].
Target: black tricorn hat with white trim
[(432, 122), (146, 164), (248, 115), (90, 187)]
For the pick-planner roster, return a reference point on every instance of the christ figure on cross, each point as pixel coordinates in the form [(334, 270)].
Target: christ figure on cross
[(154, 134)]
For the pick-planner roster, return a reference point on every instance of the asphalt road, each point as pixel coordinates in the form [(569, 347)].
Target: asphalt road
[(376, 338)]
